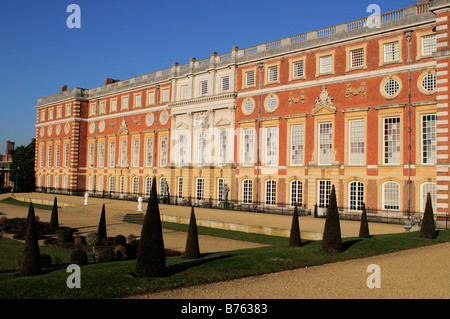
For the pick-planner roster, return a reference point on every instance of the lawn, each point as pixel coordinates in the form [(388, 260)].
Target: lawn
[(116, 279)]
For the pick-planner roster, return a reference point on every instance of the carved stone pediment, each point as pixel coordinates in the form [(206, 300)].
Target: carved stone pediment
[(182, 126), (324, 103), (222, 122)]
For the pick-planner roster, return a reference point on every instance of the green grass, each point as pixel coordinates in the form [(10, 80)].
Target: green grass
[(116, 279), (13, 201)]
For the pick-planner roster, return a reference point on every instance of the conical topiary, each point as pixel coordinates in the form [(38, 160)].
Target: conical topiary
[(192, 250), (295, 239), (150, 257), (31, 262), (364, 226), (428, 228), (102, 226), (54, 223), (331, 241)]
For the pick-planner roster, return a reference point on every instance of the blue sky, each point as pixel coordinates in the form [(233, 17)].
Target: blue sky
[(124, 39)]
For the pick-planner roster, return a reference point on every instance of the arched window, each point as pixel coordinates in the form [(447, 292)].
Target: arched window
[(135, 185), (425, 188), (111, 184), (296, 193), (247, 191), (391, 196), (148, 186), (356, 195), (271, 192)]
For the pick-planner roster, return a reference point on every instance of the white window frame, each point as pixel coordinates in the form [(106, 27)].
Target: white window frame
[(123, 153), (356, 142), (41, 155), (148, 186), (250, 78), (425, 188), (184, 91), (270, 192), (66, 155), (113, 106), (225, 83), (57, 154), (272, 74), (323, 192), (357, 58), (101, 154), (355, 196), (298, 69), (135, 186), (164, 147), (326, 64), (201, 147), (391, 142), (91, 154), (391, 51), (136, 152), (204, 87), (182, 149), (222, 153), (111, 184), (428, 139), (247, 191), (112, 154), (248, 146), (271, 146), (325, 143), (199, 188), (428, 47), (220, 185), (389, 190), (125, 103), (180, 187), (296, 192), (49, 155), (149, 152), (297, 135)]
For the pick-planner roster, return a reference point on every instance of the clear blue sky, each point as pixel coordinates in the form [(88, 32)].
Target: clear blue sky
[(123, 39)]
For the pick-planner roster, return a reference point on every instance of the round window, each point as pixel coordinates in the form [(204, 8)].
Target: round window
[(248, 106), (272, 103), (391, 87), (149, 119), (164, 117), (429, 82)]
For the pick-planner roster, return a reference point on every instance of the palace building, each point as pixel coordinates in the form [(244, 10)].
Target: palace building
[(362, 106)]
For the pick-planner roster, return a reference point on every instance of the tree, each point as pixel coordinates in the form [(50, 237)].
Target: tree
[(22, 167), (102, 226), (150, 257), (192, 250), (364, 227), (295, 239), (54, 223), (428, 228), (31, 262), (331, 241)]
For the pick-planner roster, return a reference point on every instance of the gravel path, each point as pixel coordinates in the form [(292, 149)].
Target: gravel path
[(422, 273)]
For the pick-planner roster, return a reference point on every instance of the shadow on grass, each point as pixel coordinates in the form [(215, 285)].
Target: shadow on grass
[(348, 243), (182, 266)]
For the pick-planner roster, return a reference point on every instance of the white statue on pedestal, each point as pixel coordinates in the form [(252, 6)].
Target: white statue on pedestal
[(140, 204), (86, 196)]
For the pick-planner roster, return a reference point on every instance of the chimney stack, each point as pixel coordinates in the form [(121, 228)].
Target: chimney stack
[(63, 88)]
